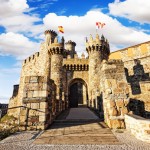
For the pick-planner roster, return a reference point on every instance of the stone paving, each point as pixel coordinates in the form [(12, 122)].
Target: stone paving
[(81, 113), (90, 136), (90, 133)]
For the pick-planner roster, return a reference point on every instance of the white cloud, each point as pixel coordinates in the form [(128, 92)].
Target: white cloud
[(78, 27), (12, 7), (13, 18), (17, 45), (136, 10)]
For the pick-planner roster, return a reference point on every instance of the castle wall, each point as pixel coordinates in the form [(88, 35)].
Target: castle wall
[(114, 92), (128, 55), (35, 65), (138, 75), (39, 102), (138, 126)]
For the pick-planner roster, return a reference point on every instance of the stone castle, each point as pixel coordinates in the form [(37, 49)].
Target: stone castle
[(55, 79)]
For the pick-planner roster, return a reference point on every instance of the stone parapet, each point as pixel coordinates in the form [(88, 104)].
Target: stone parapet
[(76, 64), (31, 58), (138, 126), (114, 88)]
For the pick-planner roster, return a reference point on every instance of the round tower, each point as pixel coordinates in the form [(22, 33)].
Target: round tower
[(50, 36), (56, 51), (97, 49), (70, 47)]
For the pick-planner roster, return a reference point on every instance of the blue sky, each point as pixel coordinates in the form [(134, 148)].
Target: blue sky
[(23, 22)]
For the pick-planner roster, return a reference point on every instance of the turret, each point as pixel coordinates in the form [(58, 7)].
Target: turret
[(98, 44), (98, 50), (50, 36), (56, 51), (70, 47)]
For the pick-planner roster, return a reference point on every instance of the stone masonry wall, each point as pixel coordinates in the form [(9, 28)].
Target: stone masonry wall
[(114, 90), (39, 102), (138, 126), (35, 65), (137, 67)]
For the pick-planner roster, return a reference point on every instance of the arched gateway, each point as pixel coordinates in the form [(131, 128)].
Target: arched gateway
[(78, 93)]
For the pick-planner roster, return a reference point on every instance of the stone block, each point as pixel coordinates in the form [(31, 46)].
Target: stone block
[(113, 82), (107, 84), (42, 118), (115, 124), (43, 93), (118, 91), (124, 111), (22, 119), (34, 79), (122, 85), (35, 105), (43, 105), (45, 86), (113, 111), (23, 112), (28, 105), (108, 91), (27, 79), (111, 104), (36, 94), (32, 112), (126, 102), (119, 103), (126, 90), (25, 94), (30, 94)]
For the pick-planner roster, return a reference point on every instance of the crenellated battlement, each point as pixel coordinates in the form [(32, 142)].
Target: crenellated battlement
[(51, 32), (97, 44), (50, 35), (115, 61), (77, 67), (70, 43), (76, 63), (56, 50), (31, 58)]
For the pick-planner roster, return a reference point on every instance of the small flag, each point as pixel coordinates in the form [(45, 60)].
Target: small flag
[(100, 25), (61, 29)]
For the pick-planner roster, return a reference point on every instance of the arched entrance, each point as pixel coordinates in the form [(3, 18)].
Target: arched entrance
[(78, 94)]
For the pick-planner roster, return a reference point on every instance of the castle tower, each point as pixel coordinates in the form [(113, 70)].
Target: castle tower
[(56, 51), (98, 50), (50, 36), (70, 47)]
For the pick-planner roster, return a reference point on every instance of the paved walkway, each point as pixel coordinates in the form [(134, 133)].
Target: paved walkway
[(80, 126), (81, 113), (71, 135)]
